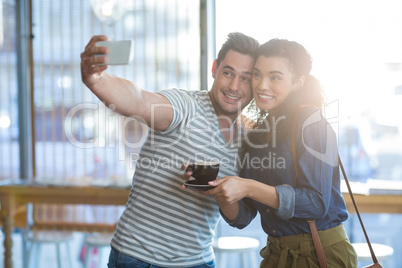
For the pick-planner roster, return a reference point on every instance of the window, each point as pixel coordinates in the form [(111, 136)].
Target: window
[(75, 135), (356, 53), (9, 148)]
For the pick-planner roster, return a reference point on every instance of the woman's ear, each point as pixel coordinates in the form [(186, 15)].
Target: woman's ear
[(299, 82), (214, 67)]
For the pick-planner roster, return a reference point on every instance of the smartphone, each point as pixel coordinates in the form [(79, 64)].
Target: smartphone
[(120, 52)]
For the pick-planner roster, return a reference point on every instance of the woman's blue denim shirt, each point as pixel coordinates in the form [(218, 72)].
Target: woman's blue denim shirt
[(317, 194)]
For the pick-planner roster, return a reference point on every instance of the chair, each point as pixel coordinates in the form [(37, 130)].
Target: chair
[(55, 223), (37, 238), (382, 252), (245, 246), (40, 231), (98, 242)]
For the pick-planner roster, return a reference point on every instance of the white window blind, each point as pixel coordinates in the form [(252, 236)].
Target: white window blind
[(76, 136), (9, 148)]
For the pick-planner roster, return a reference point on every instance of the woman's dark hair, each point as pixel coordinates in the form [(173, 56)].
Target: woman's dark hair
[(240, 43), (300, 63)]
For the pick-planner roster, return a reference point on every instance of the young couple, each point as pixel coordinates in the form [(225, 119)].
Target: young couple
[(166, 225)]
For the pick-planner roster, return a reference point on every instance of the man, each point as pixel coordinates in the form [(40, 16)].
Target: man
[(164, 225)]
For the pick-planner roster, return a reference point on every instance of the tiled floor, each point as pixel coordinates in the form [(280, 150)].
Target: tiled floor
[(48, 258)]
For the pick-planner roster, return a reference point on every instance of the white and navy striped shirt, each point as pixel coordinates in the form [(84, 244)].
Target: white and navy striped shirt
[(163, 224)]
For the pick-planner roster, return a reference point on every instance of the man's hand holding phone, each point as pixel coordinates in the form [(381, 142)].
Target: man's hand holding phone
[(120, 52)]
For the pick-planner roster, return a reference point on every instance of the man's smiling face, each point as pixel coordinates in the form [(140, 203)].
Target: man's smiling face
[(231, 91)]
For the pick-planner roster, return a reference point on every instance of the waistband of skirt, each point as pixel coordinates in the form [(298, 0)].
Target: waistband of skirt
[(327, 237)]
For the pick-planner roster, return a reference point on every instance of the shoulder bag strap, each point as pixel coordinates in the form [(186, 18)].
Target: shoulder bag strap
[(357, 211)]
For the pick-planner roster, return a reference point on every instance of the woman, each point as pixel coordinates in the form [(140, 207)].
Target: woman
[(288, 187)]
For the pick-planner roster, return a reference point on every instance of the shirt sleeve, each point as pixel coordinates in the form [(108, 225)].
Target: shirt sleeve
[(246, 214), (286, 196), (183, 104)]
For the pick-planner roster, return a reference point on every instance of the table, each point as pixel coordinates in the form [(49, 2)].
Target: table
[(374, 203), (15, 194)]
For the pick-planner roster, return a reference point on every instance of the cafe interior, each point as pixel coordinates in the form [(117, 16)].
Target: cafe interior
[(67, 160)]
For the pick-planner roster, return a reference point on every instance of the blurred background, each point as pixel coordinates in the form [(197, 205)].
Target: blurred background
[(52, 128)]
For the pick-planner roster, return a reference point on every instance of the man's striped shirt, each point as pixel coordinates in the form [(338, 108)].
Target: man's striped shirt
[(164, 224)]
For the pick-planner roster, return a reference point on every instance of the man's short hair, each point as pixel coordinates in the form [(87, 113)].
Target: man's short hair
[(238, 42)]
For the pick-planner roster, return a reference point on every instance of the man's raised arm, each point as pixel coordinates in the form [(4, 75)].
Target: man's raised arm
[(125, 97)]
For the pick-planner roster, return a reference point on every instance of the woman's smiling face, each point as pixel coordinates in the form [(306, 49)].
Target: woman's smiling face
[(273, 81)]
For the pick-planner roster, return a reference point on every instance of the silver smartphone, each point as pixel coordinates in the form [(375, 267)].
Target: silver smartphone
[(120, 52)]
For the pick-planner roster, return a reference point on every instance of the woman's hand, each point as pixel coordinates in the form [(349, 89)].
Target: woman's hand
[(232, 189), (227, 192), (228, 189)]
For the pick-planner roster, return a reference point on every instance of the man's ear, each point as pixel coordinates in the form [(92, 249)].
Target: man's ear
[(214, 67)]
